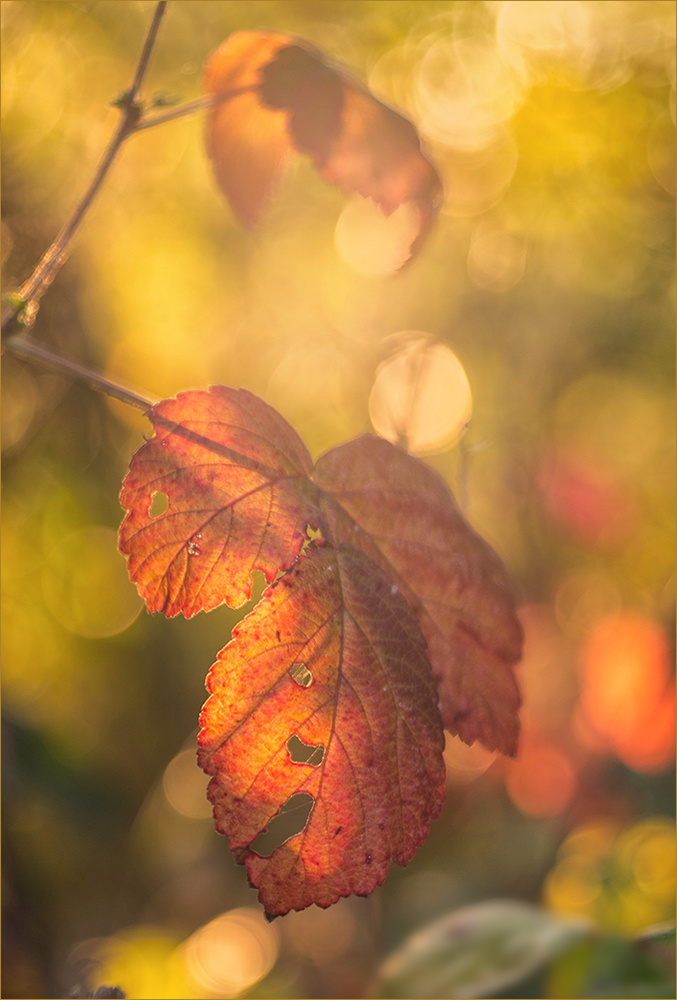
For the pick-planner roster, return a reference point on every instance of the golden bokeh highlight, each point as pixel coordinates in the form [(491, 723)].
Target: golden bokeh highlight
[(185, 786), (232, 952), (623, 879), (463, 92), (421, 396), (465, 763), (149, 960), (371, 242)]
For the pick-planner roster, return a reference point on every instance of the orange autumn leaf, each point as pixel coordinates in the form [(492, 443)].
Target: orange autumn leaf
[(327, 690), (285, 96), (230, 474), (402, 513), (365, 701)]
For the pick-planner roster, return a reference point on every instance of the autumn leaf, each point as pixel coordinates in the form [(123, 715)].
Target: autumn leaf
[(332, 657), (285, 97), (401, 512), (232, 474), (394, 620)]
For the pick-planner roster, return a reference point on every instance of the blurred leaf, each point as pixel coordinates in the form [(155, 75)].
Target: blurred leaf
[(477, 951), (359, 731), (286, 97)]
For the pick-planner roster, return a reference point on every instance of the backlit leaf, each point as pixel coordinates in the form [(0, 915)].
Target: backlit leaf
[(287, 96), (233, 476), (401, 513), (324, 709), (368, 712)]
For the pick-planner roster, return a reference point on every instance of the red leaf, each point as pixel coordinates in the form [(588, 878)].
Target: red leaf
[(368, 708), (401, 512), (326, 690), (235, 476), (286, 96)]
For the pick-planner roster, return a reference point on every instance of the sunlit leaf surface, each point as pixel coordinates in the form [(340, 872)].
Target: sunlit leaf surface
[(227, 465), (402, 513), (326, 690), (369, 714)]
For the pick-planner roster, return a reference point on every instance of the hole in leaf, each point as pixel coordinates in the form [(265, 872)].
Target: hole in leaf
[(289, 820), (304, 753), (301, 674), (312, 535), (159, 502)]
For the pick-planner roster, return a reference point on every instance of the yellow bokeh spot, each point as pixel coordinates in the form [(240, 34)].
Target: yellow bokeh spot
[(145, 962), (623, 880), (371, 242), (232, 952), (421, 397), (648, 848), (185, 786), (464, 93)]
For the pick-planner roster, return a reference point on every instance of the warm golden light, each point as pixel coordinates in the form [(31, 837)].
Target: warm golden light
[(232, 952), (542, 782), (185, 786), (421, 397), (371, 242), (465, 763), (622, 879), (627, 691), (464, 92)]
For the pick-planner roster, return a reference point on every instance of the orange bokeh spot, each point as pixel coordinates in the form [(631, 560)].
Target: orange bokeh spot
[(542, 781), (628, 690)]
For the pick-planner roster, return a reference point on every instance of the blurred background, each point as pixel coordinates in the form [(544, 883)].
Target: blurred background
[(527, 353)]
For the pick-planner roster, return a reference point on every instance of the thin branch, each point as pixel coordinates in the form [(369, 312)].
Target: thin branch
[(199, 104), (28, 297), (28, 350)]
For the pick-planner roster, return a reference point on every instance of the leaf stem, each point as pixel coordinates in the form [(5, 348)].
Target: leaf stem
[(27, 299), (28, 350), (198, 104)]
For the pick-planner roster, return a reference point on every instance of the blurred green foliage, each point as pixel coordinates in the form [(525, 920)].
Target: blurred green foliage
[(549, 275)]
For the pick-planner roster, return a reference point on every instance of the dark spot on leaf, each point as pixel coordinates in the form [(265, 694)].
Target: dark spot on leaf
[(337, 831), (277, 634)]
